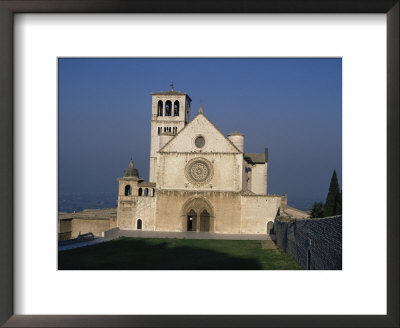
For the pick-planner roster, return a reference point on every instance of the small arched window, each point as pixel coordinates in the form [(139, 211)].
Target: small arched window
[(154, 192), (168, 108), (270, 227), (140, 191), (128, 190), (146, 191), (139, 224), (176, 108), (160, 108)]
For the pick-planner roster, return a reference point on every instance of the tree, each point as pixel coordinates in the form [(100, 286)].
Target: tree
[(333, 199), (333, 204), (339, 204), (317, 210)]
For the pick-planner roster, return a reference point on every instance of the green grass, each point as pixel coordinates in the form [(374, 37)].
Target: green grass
[(175, 254)]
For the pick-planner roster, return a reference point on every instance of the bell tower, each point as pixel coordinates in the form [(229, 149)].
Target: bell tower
[(170, 112)]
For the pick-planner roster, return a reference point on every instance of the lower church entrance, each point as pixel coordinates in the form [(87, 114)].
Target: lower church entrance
[(198, 216), (191, 221), (205, 221)]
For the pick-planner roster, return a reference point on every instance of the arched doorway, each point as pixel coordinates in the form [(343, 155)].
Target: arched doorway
[(139, 224), (270, 228), (197, 215), (191, 220), (204, 221)]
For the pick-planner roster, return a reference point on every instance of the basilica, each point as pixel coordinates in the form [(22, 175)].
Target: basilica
[(199, 179)]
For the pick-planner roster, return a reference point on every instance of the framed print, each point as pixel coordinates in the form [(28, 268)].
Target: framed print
[(35, 34)]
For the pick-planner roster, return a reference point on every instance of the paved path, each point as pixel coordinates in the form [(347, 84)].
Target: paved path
[(159, 234), (97, 240), (190, 235)]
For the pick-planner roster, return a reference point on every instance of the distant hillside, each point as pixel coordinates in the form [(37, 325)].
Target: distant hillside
[(78, 201), (304, 205)]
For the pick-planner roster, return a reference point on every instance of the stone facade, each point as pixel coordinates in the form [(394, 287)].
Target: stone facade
[(200, 180)]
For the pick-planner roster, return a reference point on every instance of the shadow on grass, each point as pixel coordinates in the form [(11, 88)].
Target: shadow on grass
[(155, 254)]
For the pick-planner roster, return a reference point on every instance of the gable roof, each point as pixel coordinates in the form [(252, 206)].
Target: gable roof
[(254, 158), (202, 114)]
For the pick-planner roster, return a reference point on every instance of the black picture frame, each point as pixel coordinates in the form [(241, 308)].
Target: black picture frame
[(7, 10)]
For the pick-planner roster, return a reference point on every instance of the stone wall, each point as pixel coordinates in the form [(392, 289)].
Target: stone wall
[(133, 208), (145, 211), (65, 229), (316, 244), (96, 221), (126, 212), (257, 212), (291, 212), (95, 226), (259, 177)]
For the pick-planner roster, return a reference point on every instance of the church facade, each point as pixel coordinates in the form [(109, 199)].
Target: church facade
[(199, 179)]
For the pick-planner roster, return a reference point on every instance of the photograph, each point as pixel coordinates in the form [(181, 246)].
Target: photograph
[(183, 164), (199, 163)]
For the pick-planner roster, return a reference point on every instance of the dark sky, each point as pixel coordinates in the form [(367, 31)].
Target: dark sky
[(291, 106)]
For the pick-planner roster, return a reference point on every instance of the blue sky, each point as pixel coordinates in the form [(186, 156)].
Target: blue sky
[(291, 106)]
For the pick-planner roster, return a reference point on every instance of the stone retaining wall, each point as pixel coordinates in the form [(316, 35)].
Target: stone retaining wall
[(96, 221), (316, 244)]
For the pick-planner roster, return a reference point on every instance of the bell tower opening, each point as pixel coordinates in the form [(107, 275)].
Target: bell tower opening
[(128, 190)]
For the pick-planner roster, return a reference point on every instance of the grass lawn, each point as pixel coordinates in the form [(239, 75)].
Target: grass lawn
[(177, 254)]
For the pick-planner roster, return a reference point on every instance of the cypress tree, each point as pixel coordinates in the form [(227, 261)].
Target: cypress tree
[(331, 204), (317, 210), (339, 205)]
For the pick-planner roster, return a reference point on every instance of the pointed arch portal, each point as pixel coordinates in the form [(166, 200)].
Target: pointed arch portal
[(198, 215), (205, 221), (191, 220)]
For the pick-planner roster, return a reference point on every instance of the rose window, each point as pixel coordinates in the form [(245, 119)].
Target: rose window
[(199, 142), (199, 171)]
